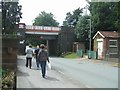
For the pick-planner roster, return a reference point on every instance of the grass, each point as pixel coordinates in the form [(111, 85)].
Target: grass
[(71, 55), (117, 65)]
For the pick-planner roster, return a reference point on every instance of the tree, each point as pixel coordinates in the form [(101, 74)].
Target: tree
[(45, 19), (71, 19), (118, 16), (0, 18), (11, 14), (67, 19), (82, 30), (104, 16), (118, 25)]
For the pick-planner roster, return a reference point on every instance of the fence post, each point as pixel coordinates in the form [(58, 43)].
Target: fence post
[(89, 54)]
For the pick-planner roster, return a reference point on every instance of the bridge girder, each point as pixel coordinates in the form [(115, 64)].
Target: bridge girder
[(42, 37)]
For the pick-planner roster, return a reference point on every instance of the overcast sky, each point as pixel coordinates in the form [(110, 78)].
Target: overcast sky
[(59, 8)]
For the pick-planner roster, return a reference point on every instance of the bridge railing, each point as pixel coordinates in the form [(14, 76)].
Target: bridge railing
[(42, 28)]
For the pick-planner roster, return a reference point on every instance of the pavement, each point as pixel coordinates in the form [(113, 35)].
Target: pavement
[(31, 78)]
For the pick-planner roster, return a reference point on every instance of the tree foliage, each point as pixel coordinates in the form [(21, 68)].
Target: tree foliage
[(0, 21), (45, 19), (104, 16), (118, 16), (82, 30), (11, 14), (72, 18)]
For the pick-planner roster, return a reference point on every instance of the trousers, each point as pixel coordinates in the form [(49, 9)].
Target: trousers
[(37, 62), (28, 61), (43, 68)]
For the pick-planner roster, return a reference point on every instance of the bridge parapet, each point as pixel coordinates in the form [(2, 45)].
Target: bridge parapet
[(30, 27)]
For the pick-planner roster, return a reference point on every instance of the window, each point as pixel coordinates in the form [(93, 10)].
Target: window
[(113, 46), (113, 43)]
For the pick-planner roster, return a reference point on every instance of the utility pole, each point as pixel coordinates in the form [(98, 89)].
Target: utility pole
[(89, 56), (86, 7), (90, 36)]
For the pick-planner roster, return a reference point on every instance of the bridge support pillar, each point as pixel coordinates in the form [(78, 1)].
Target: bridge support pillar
[(47, 44)]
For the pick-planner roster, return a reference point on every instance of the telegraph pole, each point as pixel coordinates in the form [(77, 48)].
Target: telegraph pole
[(86, 7), (90, 36)]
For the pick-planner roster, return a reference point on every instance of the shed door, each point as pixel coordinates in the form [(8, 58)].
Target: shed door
[(100, 49)]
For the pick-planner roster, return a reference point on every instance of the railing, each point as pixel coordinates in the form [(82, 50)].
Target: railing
[(42, 28)]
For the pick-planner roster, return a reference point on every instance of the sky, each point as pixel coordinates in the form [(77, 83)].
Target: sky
[(32, 8)]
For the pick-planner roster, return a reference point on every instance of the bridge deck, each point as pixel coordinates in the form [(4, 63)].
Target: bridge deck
[(48, 28), (42, 30)]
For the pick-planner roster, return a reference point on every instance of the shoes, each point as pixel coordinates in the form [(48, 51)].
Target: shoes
[(43, 76)]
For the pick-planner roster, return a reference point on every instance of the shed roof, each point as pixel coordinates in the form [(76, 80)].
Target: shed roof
[(110, 34)]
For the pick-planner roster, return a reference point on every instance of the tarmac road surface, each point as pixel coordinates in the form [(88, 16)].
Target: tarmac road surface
[(31, 78)]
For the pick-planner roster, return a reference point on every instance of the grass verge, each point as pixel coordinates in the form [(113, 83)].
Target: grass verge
[(117, 65), (71, 55)]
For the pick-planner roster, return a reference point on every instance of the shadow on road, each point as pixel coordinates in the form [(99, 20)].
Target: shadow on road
[(34, 68), (51, 78), (19, 73)]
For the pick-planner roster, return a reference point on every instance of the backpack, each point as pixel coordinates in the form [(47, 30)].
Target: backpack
[(42, 55)]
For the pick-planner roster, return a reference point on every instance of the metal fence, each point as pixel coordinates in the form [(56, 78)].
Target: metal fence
[(80, 53), (91, 54)]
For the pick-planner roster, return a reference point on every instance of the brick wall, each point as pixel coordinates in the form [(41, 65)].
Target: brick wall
[(66, 39), (9, 52)]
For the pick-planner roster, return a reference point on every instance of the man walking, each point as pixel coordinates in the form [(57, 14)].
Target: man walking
[(36, 53)]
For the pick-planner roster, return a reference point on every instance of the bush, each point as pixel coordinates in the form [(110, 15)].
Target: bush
[(7, 78)]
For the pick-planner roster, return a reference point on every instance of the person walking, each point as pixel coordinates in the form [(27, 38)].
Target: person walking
[(43, 57), (36, 53), (29, 54)]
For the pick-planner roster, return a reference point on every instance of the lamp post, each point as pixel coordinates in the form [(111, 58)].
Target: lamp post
[(90, 39), (86, 7)]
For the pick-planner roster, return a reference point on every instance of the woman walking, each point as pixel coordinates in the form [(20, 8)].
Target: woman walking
[(29, 53), (43, 57)]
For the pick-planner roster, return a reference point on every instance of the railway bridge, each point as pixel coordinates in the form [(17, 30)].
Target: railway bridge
[(41, 33)]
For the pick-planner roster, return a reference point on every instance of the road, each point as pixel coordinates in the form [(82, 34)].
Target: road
[(90, 73), (31, 78), (68, 73)]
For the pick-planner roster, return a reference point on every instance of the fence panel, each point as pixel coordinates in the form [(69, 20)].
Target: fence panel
[(92, 54), (80, 53)]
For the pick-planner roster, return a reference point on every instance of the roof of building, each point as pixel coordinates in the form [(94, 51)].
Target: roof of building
[(110, 34)]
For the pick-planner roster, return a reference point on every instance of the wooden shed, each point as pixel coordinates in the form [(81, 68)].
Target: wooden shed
[(106, 43)]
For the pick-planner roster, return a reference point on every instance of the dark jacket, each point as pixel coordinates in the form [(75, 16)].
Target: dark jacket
[(36, 52)]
